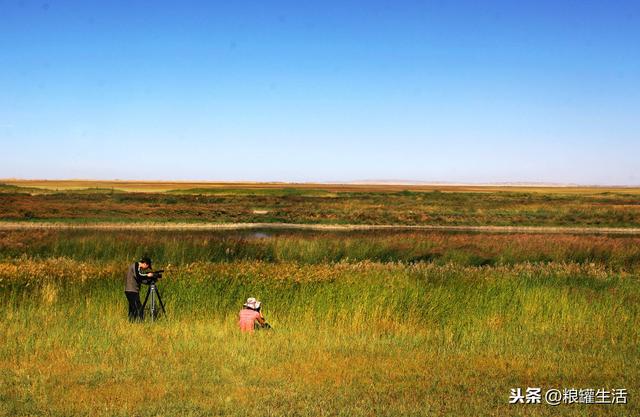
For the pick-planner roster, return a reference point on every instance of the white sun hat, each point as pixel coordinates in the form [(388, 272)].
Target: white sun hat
[(252, 303)]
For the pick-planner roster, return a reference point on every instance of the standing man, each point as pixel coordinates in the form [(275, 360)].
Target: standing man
[(135, 275)]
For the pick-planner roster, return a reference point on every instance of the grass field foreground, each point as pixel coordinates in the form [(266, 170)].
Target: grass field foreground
[(357, 336)]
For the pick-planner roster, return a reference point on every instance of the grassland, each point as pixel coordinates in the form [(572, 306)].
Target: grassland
[(316, 204), (384, 323), (381, 324), (48, 186), (463, 249)]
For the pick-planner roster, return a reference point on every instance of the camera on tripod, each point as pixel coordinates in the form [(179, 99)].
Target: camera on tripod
[(155, 277)]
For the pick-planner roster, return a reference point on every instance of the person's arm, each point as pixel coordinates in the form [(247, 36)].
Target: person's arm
[(261, 319), (140, 276)]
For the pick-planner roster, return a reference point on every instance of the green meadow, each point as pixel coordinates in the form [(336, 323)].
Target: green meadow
[(323, 205), (364, 324)]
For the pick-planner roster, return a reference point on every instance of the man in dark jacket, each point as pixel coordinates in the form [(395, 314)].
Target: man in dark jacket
[(135, 275)]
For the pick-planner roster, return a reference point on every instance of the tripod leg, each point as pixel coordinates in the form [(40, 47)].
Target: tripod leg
[(153, 304), (160, 301)]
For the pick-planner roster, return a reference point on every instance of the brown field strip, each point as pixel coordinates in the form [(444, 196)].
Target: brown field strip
[(318, 227), (163, 186)]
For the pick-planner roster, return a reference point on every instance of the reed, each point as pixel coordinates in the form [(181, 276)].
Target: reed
[(466, 249), (364, 323)]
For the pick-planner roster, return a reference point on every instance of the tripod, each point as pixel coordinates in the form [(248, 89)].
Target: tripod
[(154, 293)]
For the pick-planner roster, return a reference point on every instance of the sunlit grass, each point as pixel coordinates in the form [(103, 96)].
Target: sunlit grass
[(465, 249), (363, 338)]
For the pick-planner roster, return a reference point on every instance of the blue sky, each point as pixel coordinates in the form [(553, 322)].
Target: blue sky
[(321, 91)]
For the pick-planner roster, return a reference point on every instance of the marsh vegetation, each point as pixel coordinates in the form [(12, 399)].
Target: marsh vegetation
[(364, 323)]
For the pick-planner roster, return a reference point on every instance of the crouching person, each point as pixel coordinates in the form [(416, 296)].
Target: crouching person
[(250, 316)]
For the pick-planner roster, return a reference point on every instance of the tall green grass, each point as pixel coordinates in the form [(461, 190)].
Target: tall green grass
[(466, 249), (356, 337)]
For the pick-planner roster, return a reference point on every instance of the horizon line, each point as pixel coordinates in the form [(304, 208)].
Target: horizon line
[(540, 184)]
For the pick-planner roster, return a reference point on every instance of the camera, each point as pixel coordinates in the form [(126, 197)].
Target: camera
[(152, 279)]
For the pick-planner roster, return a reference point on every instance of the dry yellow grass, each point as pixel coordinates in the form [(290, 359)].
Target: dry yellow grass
[(162, 186), (475, 333), (356, 337)]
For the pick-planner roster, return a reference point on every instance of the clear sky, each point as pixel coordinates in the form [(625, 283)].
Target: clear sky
[(466, 91)]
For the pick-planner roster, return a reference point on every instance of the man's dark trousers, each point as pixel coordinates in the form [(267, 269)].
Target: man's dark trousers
[(135, 306)]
